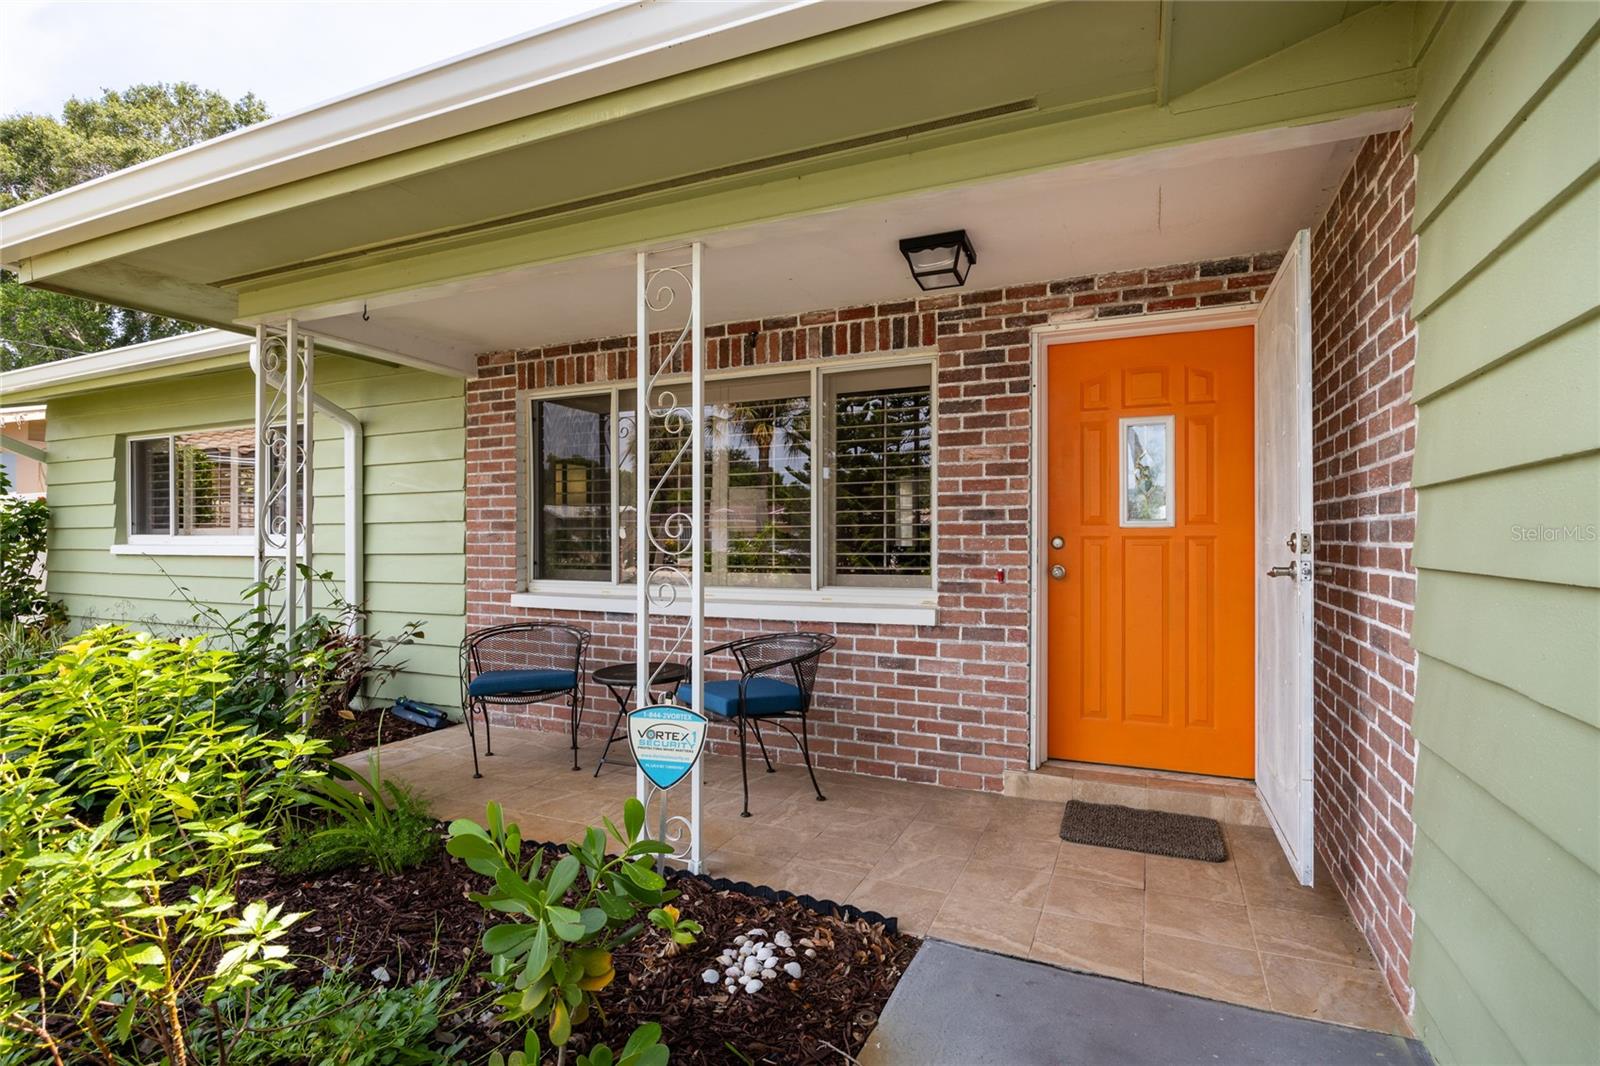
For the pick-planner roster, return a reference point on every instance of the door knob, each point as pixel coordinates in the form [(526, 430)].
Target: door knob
[(1058, 572), (1286, 570)]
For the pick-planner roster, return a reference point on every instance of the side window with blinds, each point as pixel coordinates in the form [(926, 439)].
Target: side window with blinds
[(572, 488), (882, 459), (199, 484)]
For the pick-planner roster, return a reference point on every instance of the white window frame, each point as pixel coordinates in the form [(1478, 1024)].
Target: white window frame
[(821, 601), (172, 542), (1168, 423)]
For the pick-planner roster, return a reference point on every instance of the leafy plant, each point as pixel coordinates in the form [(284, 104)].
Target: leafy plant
[(24, 529), (571, 913), (335, 1022), (128, 807), (644, 1048), (389, 834), (323, 667)]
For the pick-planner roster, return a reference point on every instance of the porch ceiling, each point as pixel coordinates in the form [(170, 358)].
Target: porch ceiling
[(1224, 197), (911, 99)]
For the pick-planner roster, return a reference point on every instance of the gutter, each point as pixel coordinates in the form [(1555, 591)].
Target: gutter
[(354, 493)]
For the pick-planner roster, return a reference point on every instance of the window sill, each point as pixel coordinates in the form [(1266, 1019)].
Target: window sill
[(241, 547), (882, 606)]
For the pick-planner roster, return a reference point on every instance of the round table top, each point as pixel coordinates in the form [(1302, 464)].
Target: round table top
[(627, 673)]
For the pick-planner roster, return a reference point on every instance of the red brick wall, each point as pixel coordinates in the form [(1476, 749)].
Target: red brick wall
[(1364, 258), (944, 704)]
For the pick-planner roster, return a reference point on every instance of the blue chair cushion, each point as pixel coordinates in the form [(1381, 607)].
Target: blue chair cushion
[(762, 696), (511, 682)]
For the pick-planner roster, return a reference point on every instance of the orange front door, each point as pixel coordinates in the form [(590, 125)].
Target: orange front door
[(1151, 590)]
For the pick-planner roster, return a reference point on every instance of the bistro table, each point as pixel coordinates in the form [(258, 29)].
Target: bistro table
[(620, 679)]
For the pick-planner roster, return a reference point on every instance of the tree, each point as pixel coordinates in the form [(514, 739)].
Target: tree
[(40, 155)]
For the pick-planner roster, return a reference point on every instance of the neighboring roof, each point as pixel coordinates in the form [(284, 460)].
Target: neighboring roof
[(206, 348), (623, 45)]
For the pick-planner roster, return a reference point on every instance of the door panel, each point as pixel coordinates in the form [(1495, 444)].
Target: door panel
[(1151, 627), (1284, 740)]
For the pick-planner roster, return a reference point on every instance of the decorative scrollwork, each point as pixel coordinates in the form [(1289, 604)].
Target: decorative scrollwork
[(669, 532), (673, 830)]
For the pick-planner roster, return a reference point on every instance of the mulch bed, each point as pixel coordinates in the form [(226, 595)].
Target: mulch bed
[(420, 924), (361, 732)]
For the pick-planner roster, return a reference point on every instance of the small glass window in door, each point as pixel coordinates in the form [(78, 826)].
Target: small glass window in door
[(1146, 477)]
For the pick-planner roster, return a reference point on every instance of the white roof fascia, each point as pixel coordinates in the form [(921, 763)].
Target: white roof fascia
[(168, 351), (618, 47)]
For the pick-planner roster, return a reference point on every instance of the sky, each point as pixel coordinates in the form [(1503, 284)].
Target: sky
[(291, 54)]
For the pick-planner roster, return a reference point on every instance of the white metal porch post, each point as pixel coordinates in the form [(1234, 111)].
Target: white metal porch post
[(284, 362), (661, 584)]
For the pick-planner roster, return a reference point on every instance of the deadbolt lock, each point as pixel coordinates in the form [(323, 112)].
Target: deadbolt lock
[(1058, 543), (1058, 572), (1298, 542)]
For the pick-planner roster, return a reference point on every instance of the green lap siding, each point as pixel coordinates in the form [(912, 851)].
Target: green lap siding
[(414, 430), (1506, 873)]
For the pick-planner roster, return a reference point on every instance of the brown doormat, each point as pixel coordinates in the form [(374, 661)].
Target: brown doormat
[(1107, 825)]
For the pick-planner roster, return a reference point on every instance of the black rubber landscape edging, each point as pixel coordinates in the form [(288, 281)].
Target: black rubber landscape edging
[(825, 907)]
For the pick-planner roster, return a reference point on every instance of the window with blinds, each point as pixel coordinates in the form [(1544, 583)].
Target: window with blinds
[(882, 478), (572, 489), (758, 488), (193, 484), (771, 520)]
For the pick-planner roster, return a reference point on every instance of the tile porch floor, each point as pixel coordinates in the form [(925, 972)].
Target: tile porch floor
[(978, 869)]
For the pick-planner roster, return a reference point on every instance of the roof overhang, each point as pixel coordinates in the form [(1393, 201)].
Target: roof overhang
[(588, 56), (654, 123)]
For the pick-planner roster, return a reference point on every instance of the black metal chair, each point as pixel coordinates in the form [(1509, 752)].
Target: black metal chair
[(520, 663), (777, 672)]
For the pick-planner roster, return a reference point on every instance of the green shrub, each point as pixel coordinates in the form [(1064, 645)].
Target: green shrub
[(335, 1022), (553, 957), (288, 685), (128, 806), (24, 528), (364, 828)]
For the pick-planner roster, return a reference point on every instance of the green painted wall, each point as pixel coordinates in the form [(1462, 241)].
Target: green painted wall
[(1506, 872), (415, 477)]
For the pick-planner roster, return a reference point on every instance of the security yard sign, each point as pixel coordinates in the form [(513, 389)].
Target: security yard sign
[(666, 742)]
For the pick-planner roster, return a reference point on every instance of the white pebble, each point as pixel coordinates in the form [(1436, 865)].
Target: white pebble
[(764, 954), (769, 974), (757, 932), (733, 971), (753, 987), (807, 942), (741, 939), (789, 952), (711, 977), (380, 974), (792, 969), (782, 939), (729, 985), (751, 966), (811, 953)]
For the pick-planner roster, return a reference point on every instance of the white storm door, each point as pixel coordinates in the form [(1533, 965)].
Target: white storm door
[(1284, 600)]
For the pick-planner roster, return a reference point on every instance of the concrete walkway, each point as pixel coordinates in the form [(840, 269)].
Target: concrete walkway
[(957, 1006)]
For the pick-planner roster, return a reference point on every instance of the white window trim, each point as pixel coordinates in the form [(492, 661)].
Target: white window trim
[(189, 545), (1169, 424), (886, 604)]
